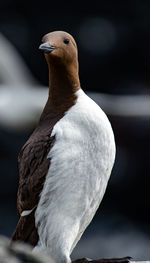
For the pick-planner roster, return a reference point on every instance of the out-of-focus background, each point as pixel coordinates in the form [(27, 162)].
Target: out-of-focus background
[(113, 38)]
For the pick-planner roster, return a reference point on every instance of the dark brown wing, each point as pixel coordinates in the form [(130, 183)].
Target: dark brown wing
[(26, 230), (33, 167)]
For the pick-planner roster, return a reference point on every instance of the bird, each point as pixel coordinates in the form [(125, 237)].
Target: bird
[(65, 165)]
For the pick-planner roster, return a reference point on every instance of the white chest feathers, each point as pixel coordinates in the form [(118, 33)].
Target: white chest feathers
[(81, 162)]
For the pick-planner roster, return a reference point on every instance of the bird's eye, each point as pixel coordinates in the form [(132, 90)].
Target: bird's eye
[(66, 41)]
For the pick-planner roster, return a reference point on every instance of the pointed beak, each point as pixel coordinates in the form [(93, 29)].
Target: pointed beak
[(46, 47)]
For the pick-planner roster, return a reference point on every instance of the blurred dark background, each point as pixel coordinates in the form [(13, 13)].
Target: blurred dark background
[(119, 52), (113, 38)]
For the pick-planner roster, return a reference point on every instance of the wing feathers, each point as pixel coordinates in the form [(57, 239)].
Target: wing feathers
[(33, 167), (26, 230)]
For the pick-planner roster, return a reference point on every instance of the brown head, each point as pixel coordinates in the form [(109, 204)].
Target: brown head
[(61, 54), (60, 48)]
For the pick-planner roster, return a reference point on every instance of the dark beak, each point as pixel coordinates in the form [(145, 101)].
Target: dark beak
[(46, 47)]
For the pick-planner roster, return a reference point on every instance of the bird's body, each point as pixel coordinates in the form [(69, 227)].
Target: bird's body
[(81, 161), (66, 163)]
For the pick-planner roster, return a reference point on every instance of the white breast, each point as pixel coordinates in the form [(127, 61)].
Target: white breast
[(81, 162)]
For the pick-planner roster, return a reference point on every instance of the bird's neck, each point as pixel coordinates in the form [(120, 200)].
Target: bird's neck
[(63, 84)]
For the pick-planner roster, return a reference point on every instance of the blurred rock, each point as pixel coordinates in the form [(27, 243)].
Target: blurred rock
[(19, 253)]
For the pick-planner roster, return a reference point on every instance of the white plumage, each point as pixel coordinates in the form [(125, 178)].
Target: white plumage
[(81, 162)]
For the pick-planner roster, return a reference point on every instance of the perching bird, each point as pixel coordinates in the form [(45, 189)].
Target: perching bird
[(65, 165)]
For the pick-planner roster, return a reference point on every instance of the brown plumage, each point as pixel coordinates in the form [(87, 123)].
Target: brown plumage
[(33, 167), (33, 161)]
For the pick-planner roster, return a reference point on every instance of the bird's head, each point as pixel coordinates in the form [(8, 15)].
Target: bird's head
[(59, 47)]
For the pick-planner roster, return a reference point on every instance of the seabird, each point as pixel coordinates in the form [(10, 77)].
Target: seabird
[(65, 165)]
